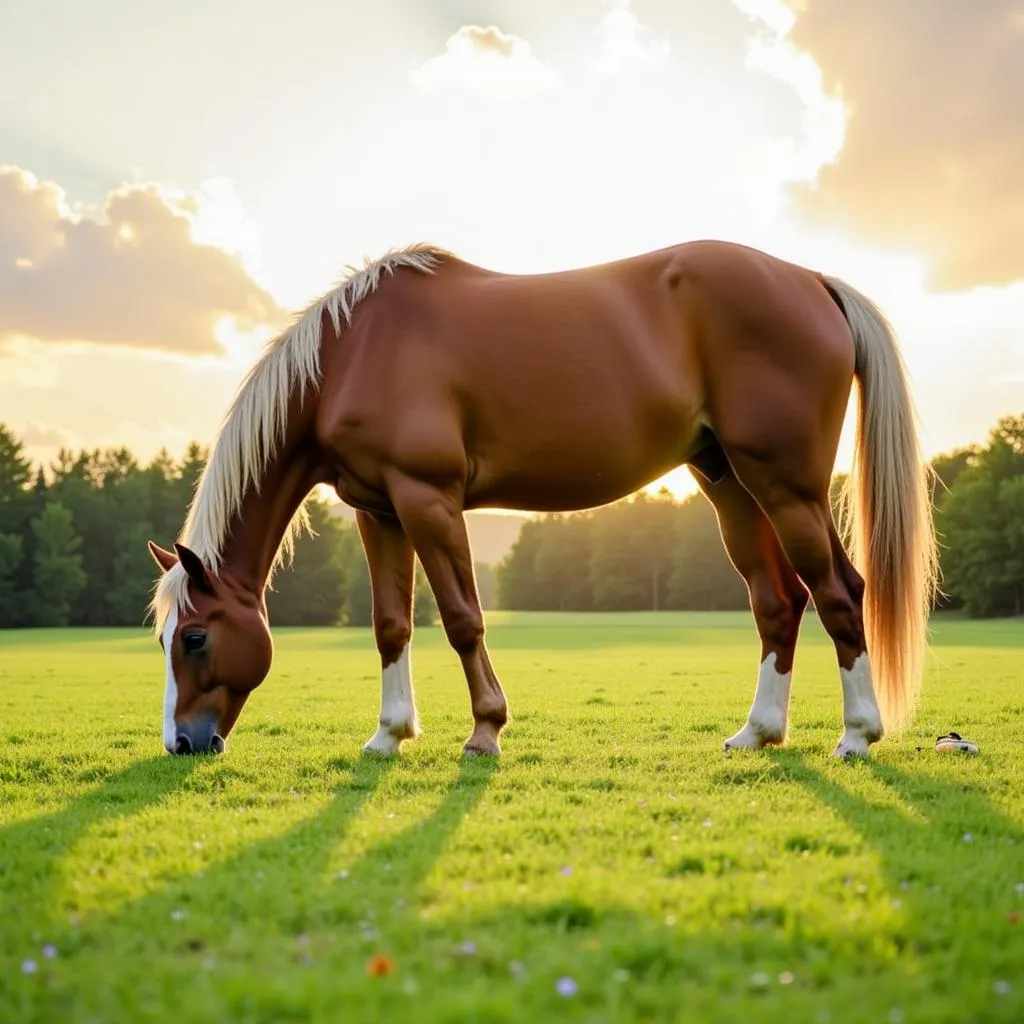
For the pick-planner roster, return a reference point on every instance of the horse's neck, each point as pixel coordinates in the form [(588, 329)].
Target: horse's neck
[(257, 529)]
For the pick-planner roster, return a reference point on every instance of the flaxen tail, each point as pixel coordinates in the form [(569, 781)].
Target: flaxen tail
[(890, 529)]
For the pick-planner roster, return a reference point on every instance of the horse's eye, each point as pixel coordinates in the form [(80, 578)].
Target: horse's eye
[(193, 640)]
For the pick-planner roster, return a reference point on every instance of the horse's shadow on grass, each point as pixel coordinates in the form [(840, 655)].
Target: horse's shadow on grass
[(287, 886), (946, 852), (32, 851), (937, 835)]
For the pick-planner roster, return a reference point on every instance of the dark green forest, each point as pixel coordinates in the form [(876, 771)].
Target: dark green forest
[(73, 545)]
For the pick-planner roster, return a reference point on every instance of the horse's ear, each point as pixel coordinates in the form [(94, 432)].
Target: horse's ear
[(194, 568), (166, 560)]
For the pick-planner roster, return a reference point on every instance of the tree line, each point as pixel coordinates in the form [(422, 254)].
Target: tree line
[(73, 544)]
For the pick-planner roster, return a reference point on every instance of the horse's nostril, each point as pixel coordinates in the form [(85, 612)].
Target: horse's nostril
[(183, 745), (217, 744)]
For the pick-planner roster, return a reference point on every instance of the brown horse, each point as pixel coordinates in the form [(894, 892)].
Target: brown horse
[(422, 386)]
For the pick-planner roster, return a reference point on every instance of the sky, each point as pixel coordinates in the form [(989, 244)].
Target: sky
[(177, 179)]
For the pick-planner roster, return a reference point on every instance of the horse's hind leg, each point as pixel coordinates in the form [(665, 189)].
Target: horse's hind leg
[(391, 561), (434, 521), (777, 600), (797, 505)]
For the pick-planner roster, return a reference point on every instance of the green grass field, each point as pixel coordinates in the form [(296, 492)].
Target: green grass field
[(612, 866)]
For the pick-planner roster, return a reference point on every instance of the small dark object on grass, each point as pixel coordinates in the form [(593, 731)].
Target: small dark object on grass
[(953, 742)]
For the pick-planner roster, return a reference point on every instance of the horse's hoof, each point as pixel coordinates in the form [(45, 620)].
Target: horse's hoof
[(851, 751), (751, 737), (478, 748)]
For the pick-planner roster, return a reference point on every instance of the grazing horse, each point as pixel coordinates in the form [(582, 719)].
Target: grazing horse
[(422, 386)]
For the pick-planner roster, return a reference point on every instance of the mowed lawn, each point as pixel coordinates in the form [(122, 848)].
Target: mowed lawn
[(612, 866)]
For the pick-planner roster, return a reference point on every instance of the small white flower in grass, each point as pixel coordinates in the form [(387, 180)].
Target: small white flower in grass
[(786, 978), (516, 968), (29, 967), (567, 870), (1019, 887), (759, 980), (49, 951), (1002, 988), (707, 823), (410, 987), (968, 838), (178, 915), (343, 873), (468, 948), (566, 987)]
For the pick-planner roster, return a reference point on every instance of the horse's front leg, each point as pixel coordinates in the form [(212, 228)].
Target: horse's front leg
[(433, 519), (391, 560)]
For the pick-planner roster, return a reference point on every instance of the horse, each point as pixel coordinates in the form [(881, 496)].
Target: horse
[(422, 386)]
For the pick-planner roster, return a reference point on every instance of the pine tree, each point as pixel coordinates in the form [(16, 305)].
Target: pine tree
[(59, 576)]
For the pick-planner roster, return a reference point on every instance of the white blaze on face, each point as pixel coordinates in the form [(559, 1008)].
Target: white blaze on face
[(398, 719), (170, 686), (769, 713)]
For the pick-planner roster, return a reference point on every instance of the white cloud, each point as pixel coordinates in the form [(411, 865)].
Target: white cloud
[(934, 146), (487, 63), (625, 40), (823, 117), (136, 275)]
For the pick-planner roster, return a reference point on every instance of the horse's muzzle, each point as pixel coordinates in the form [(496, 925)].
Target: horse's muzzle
[(198, 737)]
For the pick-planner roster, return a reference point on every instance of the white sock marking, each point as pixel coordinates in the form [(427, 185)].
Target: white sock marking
[(769, 713), (170, 686), (861, 716), (398, 718)]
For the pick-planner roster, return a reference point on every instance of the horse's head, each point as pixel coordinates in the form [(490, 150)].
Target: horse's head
[(217, 650)]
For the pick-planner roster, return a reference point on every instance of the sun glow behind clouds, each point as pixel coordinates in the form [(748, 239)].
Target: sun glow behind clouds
[(525, 166), (525, 157)]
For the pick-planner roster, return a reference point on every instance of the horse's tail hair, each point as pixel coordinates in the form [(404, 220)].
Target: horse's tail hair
[(886, 511)]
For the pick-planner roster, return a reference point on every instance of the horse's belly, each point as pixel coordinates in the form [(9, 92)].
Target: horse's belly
[(564, 465)]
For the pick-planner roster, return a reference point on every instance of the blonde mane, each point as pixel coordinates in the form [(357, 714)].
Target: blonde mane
[(256, 421)]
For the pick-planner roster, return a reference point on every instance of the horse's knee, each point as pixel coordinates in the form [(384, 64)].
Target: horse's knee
[(777, 612), (465, 631), (393, 634), (841, 615)]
